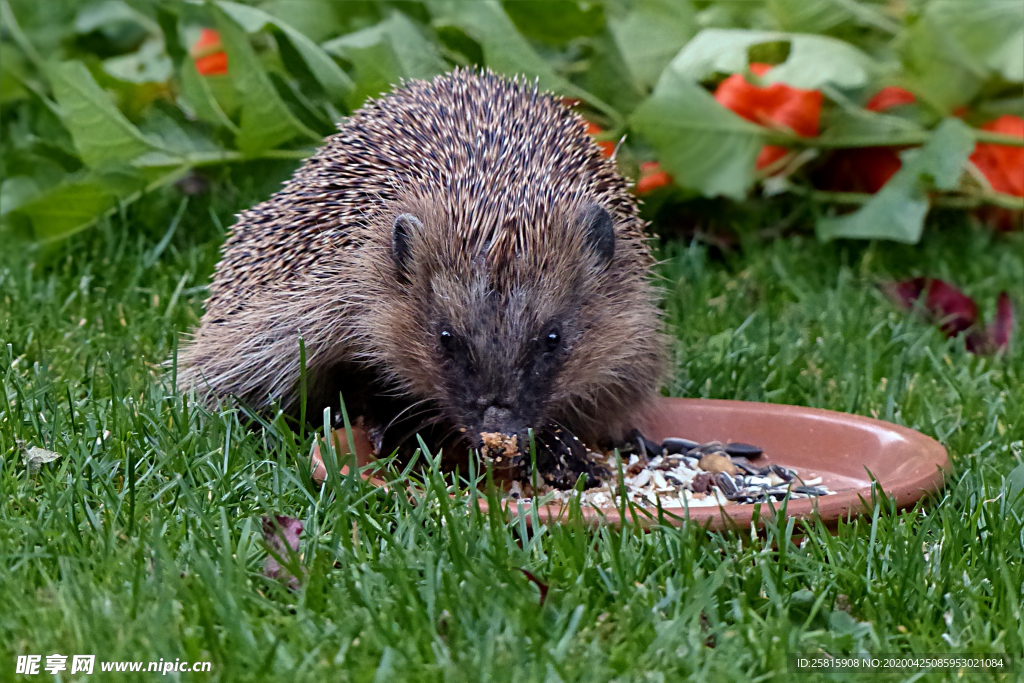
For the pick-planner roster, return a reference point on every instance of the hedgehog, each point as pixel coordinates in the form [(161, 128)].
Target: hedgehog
[(459, 259)]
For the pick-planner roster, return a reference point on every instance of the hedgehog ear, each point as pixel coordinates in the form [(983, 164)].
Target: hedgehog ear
[(600, 231), (401, 234)]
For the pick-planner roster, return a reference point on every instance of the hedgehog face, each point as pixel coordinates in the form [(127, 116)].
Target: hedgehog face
[(499, 368), (510, 336)]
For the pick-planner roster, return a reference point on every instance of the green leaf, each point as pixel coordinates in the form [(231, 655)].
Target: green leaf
[(385, 54), (898, 210), (1007, 60), (651, 34), (16, 191), (555, 22), (505, 50), (1015, 485), (608, 76), (148, 64), (316, 19), (43, 170), (943, 157), (853, 127), (102, 135), (106, 15), (167, 21), (84, 198), (935, 73), (418, 57), (196, 91), (266, 121), (189, 140), (955, 47), (69, 207), (807, 16), (376, 68), (335, 82), (988, 33), (896, 213), (702, 144), (813, 61), (12, 74)]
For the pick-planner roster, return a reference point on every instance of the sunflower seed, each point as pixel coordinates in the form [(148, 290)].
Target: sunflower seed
[(744, 450), (673, 445), (725, 483)]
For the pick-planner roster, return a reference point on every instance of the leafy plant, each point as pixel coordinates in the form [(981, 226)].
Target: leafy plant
[(124, 98)]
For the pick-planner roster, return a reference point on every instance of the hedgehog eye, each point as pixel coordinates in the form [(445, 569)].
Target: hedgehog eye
[(552, 340), (447, 340)]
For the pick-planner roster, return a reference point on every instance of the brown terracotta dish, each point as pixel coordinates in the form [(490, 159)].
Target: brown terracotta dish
[(845, 450)]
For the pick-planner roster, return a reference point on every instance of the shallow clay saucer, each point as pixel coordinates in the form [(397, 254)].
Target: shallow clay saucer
[(845, 450)]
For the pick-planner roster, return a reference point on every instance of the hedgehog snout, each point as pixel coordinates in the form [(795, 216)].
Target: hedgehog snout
[(497, 419)]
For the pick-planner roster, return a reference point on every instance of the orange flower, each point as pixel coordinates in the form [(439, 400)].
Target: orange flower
[(888, 97), (209, 55), (213, 65), (776, 106), (651, 177), (207, 43), (607, 146), (1002, 165)]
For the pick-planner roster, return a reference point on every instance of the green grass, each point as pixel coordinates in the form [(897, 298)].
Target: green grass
[(143, 541)]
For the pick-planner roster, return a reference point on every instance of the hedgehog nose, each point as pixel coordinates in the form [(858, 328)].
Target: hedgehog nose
[(496, 419)]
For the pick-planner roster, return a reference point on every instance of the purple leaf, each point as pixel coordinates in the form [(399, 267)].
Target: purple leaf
[(1002, 327), (281, 534), (953, 310)]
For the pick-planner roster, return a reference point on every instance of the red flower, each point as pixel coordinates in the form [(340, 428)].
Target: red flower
[(607, 146), (209, 55), (651, 177), (860, 169), (775, 106), (1002, 165), (888, 97)]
